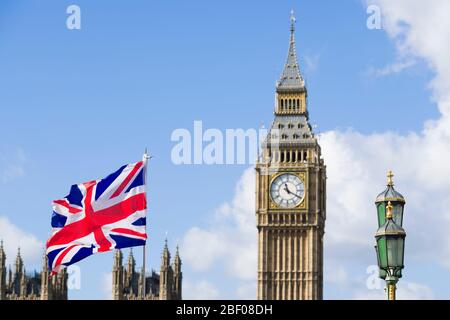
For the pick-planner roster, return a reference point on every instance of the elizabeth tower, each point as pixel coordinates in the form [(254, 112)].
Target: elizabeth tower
[(290, 196)]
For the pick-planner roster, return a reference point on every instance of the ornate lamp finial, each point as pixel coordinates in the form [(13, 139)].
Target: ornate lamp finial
[(389, 208), (390, 182)]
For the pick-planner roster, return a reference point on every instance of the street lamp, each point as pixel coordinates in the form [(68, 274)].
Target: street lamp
[(390, 236)]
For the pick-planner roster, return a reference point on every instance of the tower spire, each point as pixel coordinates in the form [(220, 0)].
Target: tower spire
[(291, 78), (293, 20)]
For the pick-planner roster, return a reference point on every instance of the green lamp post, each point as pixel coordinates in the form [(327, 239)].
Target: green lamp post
[(390, 236)]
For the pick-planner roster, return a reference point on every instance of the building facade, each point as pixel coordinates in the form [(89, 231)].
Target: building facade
[(128, 284), (290, 195), (18, 285)]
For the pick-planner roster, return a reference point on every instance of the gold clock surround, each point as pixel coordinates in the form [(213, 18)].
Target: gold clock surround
[(303, 178)]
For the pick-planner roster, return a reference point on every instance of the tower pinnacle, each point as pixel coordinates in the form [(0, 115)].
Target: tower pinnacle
[(291, 78), (293, 20)]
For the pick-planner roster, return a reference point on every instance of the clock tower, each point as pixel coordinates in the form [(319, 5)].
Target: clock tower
[(290, 195)]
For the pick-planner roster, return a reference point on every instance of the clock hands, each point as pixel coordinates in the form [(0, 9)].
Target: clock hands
[(286, 188)]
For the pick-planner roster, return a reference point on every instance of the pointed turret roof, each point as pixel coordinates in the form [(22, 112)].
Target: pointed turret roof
[(291, 78), (2, 251), (165, 257), (177, 256)]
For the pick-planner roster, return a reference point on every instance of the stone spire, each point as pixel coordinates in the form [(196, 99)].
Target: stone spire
[(166, 275), (177, 276), (19, 263), (23, 284), (165, 255), (46, 292), (2, 254), (131, 263), (117, 276), (118, 257), (291, 78), (17, 277), (2, 272)]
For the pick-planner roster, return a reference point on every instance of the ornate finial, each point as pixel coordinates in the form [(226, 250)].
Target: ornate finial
[(146, 156), (389, 208), (18, 251), (390, 182), (293, 20), (1, 243)]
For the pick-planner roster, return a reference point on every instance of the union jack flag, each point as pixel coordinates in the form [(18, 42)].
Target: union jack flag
[(98, 216)]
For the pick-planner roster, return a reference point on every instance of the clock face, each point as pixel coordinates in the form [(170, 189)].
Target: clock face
[(287, 190)]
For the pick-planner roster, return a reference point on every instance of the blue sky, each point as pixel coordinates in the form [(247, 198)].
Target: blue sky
[(77, 104)]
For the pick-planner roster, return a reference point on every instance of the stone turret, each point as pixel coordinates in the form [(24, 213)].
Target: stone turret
[(165, 276), (177, 277), (117, 275), (128, 282), (46, 290), (18, 271), (3, 283), (23, 284)]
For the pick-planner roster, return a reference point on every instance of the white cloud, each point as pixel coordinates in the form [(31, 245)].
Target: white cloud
[(337, 275), (392, 68), (246, 291), (106, 285), (230, 239), (198, 241), (12, 165), (13, 237), (201, 290), (311, 62)]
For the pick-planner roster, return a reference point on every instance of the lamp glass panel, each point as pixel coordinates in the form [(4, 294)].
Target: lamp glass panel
[(401, 251), (393, 248), (398, 213), (382, 254), (381, 210)]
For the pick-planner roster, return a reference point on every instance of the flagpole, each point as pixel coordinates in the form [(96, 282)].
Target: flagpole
[(146, 157)]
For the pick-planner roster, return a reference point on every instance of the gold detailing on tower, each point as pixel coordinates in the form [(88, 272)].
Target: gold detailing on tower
[(389, 208), (390, 182)]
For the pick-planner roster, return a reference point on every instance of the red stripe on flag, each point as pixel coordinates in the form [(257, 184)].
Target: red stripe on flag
[(101, 240), (66, 205), (62, 255), (130, 232), (127, 179)]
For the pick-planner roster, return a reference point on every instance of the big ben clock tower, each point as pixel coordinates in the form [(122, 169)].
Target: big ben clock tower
[(290, 196)]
